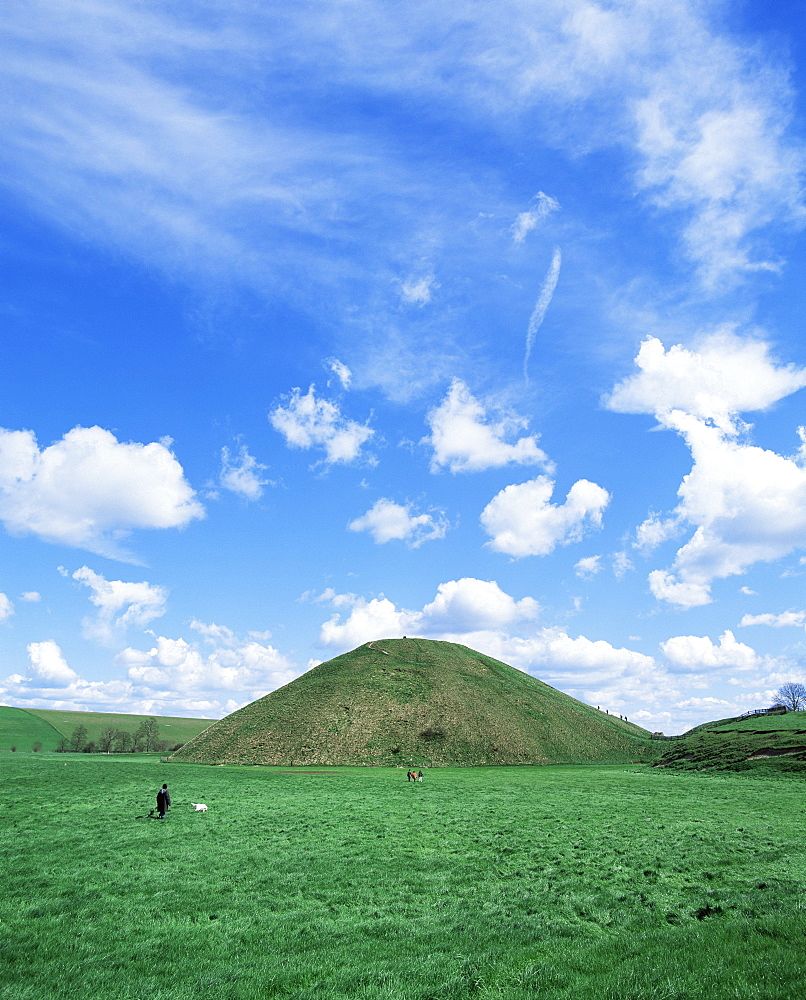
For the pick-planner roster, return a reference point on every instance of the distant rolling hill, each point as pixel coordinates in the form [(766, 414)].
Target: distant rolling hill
[(416, 702), (22, 727), (757, 743)]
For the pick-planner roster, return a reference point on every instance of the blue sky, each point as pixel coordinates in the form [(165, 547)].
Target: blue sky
[(332, 322)]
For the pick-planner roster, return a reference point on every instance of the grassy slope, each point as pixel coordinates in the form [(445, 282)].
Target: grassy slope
[(58, 723), (22, 729), (567, 883), (764, 723), (758, 743), (420, 702)]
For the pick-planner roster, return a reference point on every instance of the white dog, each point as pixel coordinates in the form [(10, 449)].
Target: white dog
[(200, 807)]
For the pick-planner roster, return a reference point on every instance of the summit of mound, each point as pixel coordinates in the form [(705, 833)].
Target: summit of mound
[(416, 702)]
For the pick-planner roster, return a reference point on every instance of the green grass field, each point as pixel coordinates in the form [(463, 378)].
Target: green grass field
[(23, 727), (557, 883)]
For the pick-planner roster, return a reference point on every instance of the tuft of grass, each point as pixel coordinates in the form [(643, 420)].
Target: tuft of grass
[(556, 883), (418, 702)]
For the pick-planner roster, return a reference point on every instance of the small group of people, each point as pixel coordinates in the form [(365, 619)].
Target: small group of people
[(414, 775)]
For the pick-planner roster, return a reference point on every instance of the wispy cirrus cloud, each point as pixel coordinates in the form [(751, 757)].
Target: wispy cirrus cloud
[(784, 619), (115, 127), (541, 307), (542, 206)]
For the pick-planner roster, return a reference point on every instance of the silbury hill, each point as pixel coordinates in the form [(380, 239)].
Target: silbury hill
[(417, 702)]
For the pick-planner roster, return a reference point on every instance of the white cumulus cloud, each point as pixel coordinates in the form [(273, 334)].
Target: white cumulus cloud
[(89, 490), (465, 441), (459, 606), (308, 422), (588, 567), (242, 474), (746, 504), (725, 376), (6, 608), (245, 667), (387, 521), (121, 604), (699, 653), (49, 665), (172, 677), (521, 520)]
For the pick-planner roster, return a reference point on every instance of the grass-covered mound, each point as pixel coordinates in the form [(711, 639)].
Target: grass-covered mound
[(758, 743), (417, 702)]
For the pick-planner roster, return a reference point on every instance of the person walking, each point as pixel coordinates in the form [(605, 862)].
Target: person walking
[(163, 801)]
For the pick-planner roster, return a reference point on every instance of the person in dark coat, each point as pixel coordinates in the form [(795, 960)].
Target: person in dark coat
[(163, 801)]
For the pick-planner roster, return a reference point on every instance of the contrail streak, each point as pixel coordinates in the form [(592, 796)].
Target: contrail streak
[(541, 307)]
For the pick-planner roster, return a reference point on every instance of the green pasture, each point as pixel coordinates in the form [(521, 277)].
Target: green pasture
[(22, 727), (173, 729), (558, 883), (19, 728)]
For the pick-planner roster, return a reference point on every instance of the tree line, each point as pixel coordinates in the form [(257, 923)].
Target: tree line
[(145, 739)]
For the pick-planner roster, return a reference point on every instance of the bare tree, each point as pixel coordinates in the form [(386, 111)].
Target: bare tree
[(123, 741), (78, 739), (793, 695), (106, 739), (147, 733)]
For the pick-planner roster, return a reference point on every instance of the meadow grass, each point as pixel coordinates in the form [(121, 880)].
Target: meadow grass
[(19, 728), (525, 882)]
